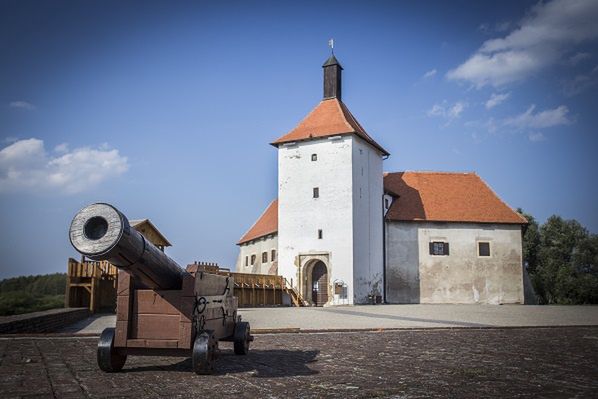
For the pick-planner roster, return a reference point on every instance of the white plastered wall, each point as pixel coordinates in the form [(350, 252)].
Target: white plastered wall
[(257, 247), (415, 276), (300, 216), (367, 221)]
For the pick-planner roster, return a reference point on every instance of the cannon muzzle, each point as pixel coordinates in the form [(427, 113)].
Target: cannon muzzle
[(102, 232)]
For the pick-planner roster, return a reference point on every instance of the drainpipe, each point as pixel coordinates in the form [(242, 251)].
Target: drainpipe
[(383, 250)]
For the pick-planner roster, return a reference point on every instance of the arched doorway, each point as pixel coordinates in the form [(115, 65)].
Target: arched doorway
[(319, 281)]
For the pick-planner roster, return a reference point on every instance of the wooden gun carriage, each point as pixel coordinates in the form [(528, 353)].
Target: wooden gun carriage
[(161, 309)]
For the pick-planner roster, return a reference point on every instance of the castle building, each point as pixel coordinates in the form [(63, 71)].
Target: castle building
[(343, 232)]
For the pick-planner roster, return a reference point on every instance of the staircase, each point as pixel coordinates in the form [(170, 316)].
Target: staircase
[(295, 296)]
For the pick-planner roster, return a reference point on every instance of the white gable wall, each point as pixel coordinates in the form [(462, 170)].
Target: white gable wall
[(257, 247), (415, 276), (367, 221), (300, 215)]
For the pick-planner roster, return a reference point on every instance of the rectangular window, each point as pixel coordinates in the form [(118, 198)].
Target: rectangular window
[(320, 234), (253, 260), (439, 248), (316, 192), (246, 261), (314, 157), (386, 203), (273, 255), (264, 257), (483, 248)]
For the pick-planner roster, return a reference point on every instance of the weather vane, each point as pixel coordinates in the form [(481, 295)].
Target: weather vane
[(331, 45)]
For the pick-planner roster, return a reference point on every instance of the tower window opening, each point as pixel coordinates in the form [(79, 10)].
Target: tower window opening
[(316, 192), (314, 157), (320, 234)]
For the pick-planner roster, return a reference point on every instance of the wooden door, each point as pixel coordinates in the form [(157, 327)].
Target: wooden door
[(319, 278)]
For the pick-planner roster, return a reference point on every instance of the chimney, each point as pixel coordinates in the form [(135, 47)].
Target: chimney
[(332, 78)]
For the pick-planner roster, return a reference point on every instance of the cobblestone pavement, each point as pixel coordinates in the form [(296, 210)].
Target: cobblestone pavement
[(534, 362)]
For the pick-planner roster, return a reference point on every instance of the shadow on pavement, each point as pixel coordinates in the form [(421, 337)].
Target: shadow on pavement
[(265, 364), (405, 318)]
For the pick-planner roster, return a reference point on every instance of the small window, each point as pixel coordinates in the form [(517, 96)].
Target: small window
[(316, 192), (386, 204), (483, 248), (253, 260), (439, 248), (246, 261), (314, 157), (273, 255), (264, 257), (320, 234)]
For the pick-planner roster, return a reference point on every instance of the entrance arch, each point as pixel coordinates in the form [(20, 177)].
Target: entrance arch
[(319, 281)]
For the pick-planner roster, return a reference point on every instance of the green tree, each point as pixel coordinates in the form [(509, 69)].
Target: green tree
[(531, 242), (565, 272)]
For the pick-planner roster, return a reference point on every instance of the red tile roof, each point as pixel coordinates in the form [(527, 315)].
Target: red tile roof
[(423, 196), (330, 117), (446, 197), (266, 224)]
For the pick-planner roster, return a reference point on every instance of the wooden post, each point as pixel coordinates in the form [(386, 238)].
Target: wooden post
[(67, 293)]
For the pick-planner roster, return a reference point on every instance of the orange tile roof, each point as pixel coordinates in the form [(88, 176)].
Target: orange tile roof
[(330, 117), (266, 224), (446, 197), (423, 196)]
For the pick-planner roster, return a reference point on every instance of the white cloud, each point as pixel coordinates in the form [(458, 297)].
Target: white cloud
[(581, 82), (26, 166), (447, 111), (539, 120), (62, 148), (577, 58), (542, 38), (536, 136), (496, 99), (22, 105), (502, 26), (431, 73)]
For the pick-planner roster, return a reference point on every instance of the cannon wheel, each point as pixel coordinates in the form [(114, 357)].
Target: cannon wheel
[(242, 338), (205, 350), (109, 359)]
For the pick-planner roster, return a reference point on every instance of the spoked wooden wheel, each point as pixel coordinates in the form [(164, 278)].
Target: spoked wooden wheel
[(109, 359), (242, 338), (205, 351)]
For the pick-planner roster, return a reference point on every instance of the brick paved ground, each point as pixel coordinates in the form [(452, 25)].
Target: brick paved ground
[(545, 362)]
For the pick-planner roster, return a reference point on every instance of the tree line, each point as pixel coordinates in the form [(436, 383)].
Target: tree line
[(26, 294), (561, 257)]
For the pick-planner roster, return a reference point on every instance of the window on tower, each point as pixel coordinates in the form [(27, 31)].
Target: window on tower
[(483, 248), (320, 234), (316, 192), (264, 257), (253, 260), (273, 255), (314, 157)]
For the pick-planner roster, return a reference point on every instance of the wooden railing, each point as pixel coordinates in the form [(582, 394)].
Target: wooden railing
[(91, 284), (91, 269)]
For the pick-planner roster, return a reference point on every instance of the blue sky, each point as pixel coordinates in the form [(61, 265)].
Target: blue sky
[(166, 109)]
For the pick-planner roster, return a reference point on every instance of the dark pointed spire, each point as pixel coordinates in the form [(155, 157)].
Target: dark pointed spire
[(332, 78)]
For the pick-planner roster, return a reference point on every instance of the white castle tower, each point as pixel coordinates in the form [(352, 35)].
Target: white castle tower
[(330, 203)]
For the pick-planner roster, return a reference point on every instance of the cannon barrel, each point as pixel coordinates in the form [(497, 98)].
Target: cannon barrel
[(101, 232)]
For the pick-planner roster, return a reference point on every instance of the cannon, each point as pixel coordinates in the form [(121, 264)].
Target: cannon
[(161, 308)]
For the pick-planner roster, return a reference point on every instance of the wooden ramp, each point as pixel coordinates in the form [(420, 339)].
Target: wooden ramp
[(255, 290), (93, 285)]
